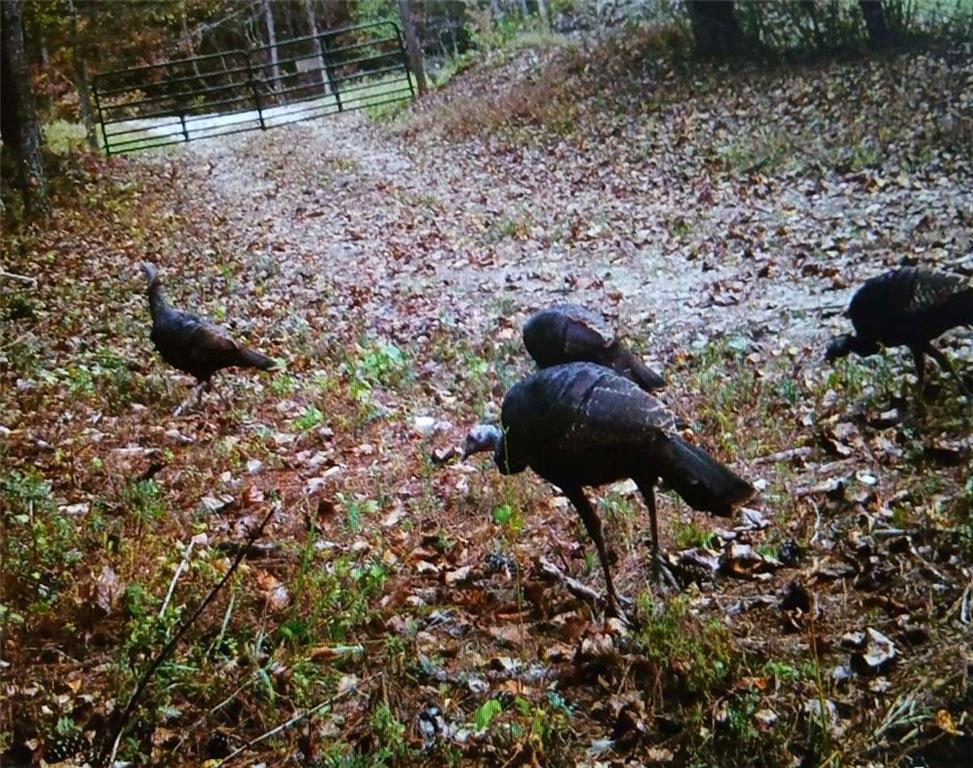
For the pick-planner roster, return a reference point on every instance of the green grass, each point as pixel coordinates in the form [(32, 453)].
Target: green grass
[(383, 98), (768, 149), (622, 516)]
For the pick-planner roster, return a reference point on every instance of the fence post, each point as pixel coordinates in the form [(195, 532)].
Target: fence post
[(101, 119), (329, 71), (255, 91), (170, 86), (405, 61), (412, 44)]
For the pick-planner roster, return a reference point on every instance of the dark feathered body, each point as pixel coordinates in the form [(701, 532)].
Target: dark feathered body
[(910, 306), (580, 424), (906, 307), (570, 333), (190, 343)]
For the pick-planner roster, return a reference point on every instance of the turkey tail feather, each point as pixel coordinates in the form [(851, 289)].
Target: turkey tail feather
[(701, 480), (966, 313), (642, 375), (253, 359)]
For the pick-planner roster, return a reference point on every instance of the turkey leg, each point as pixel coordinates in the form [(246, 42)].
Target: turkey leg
[(592, 524), (198, 392), (659, 569), (920, 358), (946, 365)]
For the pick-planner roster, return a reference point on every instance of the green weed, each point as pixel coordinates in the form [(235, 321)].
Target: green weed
[(143, 500), (62, 137), (485, 713), (40, 544), (308, 420), (689, 535), (781, 672), (389, 732), (622, 516), (282, 385), (698, 654)]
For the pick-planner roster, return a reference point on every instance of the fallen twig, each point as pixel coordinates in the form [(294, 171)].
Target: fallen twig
[(285, 725), (926, 565), (21, 278), (16, 340), (962, 605), (115, 739), (817, 523), (575, 587), (789, 455), (894, 532), (212, 711), (176, 575)]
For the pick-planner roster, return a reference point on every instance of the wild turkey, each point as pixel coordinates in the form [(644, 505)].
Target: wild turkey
[(568, 333), (907, 307), (193, 345), (581, 424)]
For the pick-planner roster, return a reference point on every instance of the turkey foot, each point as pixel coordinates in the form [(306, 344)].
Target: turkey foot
[(662, 574), (617, 609), (193, 400)]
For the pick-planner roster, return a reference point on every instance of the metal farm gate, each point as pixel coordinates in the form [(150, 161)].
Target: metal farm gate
[(223, 93)]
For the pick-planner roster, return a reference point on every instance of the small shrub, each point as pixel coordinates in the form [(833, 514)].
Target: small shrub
[(389, 732), (282, 385)]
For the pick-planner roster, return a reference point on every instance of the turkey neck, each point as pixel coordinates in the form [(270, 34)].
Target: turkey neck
[(157, 303)]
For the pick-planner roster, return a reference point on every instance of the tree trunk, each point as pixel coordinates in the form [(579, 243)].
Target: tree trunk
[(812, 13), (496, 11), (875, 23), (272, 43), (190, 46), (715, 27), (42, 57), (544, 14), (312, 27), (413, 49), (21, 128), (81, 78)]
